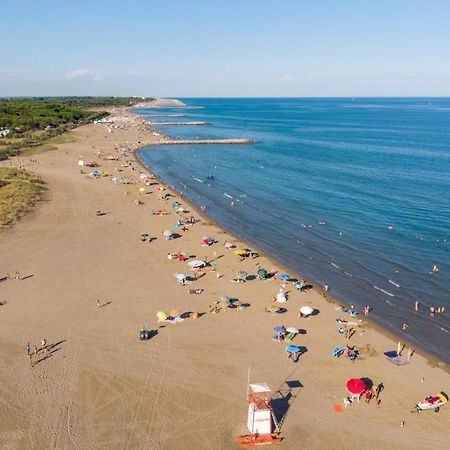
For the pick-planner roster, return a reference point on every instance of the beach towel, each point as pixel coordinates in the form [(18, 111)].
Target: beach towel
[(289, 337), (338, 408), (175, 320), (398, 361)]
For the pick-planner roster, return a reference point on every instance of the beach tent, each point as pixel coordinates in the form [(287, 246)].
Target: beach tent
[(306, 310), (196, 263), (356, 386)]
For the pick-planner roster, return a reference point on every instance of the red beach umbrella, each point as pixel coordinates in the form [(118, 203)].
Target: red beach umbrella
[(356, 386)]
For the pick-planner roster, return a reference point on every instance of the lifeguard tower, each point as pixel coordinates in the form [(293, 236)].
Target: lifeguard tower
[(261, 421)]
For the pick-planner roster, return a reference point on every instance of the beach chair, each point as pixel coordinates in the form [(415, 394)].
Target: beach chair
[(337, 351)]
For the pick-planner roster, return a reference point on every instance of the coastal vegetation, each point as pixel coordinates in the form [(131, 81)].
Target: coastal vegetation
[(19, 190), (30, 122)]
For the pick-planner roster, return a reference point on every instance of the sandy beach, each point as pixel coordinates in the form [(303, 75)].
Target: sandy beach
[(99, 386)]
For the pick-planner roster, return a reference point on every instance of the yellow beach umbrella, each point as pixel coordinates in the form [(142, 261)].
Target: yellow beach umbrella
[(161, 315), (272, 308), (241, 252)]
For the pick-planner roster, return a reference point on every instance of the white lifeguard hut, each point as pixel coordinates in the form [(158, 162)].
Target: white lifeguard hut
[(261, 421), (260, 417)]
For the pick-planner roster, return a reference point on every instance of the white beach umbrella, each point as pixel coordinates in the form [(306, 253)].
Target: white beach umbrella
[(292, 330), (281, 297), (167, 233), (306, 310), (196, 263), (180, 276)]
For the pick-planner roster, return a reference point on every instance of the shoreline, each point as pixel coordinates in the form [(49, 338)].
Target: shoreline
[(433, 359), (89, 284)]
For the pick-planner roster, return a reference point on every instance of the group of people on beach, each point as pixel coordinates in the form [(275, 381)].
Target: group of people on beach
[(34, 353)]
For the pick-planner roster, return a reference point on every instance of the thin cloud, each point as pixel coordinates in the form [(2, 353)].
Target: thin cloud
[(11, 73), (97, 74)]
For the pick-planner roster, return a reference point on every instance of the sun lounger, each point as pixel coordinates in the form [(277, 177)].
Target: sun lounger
[(338, 351), (195, 291)]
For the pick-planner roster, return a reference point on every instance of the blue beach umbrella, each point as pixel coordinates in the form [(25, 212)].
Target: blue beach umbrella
[(292, 349), (284, 276)]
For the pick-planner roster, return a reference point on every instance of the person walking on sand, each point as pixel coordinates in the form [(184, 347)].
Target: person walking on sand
[(29, 355), (98, 303), (18, 277), (366, 310), (44, 346)]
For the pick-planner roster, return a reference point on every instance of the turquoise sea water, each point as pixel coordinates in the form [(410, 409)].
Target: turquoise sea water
[(369, 179)]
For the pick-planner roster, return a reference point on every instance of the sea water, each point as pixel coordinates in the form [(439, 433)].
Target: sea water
[(353, 193)]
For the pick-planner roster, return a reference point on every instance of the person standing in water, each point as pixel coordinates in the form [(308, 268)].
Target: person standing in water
[(416, 305)]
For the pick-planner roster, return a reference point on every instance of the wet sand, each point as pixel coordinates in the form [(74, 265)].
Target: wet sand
[(100, 387)]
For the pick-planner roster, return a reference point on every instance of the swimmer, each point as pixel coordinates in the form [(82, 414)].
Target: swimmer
[(434, 270), (405, 326)]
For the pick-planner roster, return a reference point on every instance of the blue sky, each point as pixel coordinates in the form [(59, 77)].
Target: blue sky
[(189, 48)]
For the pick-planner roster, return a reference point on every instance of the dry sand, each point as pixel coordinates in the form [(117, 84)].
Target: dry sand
[(186, 387)]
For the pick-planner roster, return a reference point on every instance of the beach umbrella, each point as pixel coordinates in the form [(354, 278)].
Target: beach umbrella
[(167, 233), (226, 301), (272, 308), (281, 297), (356, 386), (175, 312), (284, 276), (292, 330), (180, 276), (142, 189), (196, 263), (242, 275), (292, 348), (262, 273), (280, 330), (306, 310), (161, 315), (241, 252)]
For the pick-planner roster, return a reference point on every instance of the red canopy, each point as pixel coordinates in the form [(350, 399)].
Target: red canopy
[(356, 386)]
